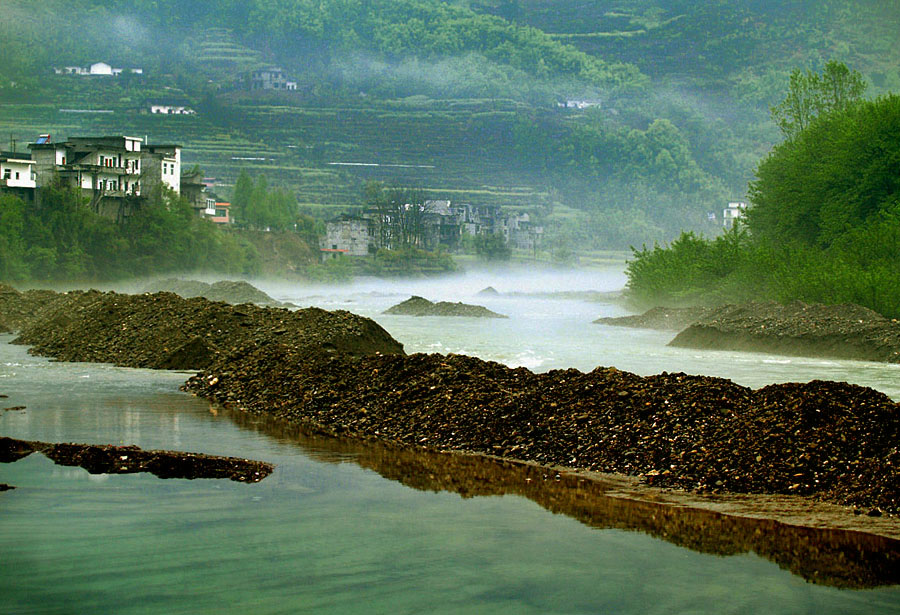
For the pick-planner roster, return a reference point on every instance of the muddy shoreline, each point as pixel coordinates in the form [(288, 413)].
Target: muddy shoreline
[(343, 374)]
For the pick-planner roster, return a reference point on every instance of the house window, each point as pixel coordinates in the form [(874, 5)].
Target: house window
[(17, 175), (6, 173)]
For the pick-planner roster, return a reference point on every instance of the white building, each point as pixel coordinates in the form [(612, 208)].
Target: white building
[(170, 109), (163, 163), (734, 211), (17, 170), (101, 68)]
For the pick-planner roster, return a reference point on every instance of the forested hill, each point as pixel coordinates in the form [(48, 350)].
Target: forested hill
[(458, 97)]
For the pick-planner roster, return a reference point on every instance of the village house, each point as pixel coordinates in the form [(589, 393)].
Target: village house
[(170, 108), (162, 164), (114, 172), (350, 235), (272, 78), (733, 212), (97, 68), (442, 226), (17, 174)]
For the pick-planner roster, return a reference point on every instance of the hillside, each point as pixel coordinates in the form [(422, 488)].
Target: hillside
[(459, 98)]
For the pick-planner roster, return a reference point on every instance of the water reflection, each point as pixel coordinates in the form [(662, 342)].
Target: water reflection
[(836, 558)]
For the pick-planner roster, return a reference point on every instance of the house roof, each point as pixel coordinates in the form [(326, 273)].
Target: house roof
[(15, 155)]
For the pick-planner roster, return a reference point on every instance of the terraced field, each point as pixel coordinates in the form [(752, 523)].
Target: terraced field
[(460, 150)]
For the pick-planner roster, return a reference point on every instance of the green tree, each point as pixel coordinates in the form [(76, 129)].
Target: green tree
[(240, 199), (811, 95)]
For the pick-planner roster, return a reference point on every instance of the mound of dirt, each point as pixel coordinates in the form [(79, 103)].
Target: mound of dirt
[(418, 306), (838, 331), (831, 441), (165, 331), (17, 308), (107, 459), (660, 318), (223, 290)]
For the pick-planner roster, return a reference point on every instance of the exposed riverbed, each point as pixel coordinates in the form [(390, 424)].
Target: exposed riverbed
[(328, 533)]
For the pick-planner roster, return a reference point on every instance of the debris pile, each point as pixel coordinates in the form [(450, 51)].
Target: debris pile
[(107, 459), (165, 331), (223, 290), (661, 318), (831, 441), (419, 306), (838, 331)]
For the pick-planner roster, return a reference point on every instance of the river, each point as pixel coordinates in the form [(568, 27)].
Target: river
[(343, 527)]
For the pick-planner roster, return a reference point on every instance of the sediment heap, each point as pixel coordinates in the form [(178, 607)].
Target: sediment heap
[(660, 318), (165, 331), (228, 291), (844, 331), (831, 441), (109, 459), (419, 306)]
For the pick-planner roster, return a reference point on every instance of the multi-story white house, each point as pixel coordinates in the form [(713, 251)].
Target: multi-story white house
[(114, 171), (733, 212), (162, 164)]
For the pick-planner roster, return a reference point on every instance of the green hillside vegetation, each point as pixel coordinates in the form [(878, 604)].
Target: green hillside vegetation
[(65, 241), (457, 97), (824, 224)]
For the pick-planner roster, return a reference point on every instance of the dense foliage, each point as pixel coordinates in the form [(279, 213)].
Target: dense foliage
[(63, 240), (824, 224)]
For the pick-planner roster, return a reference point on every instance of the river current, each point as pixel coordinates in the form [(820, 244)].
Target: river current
[(344, 527)]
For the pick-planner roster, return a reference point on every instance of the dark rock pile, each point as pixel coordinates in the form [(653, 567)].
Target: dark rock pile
[(837, 331), (17, 308), (661, 318), (224, 290), (107, 459), (165, 331), (418, 306), (832, 441)]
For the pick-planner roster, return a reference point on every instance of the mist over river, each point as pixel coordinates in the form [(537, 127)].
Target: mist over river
[(344, 527)]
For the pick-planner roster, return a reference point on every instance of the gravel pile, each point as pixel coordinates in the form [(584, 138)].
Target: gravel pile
[(108, 459), (165, 331), (838, 331), (832, 441), (661, 318), (224, 290), (419, 306), (17, 308)]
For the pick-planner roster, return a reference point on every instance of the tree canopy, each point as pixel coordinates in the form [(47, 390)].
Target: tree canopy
[(811, 95)]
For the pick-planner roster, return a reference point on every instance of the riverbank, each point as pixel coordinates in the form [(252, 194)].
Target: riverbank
[(795, 329), (827, 441), (799, 329)]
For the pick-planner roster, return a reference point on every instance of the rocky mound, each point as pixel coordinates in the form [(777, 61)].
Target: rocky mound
[(838, 331), (224, 290), (661, 318), (107, 459), (17, 308), (832, 441), (418, 306), (165, 331)]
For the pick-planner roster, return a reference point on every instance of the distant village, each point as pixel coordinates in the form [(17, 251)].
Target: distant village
[(116, 174)]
